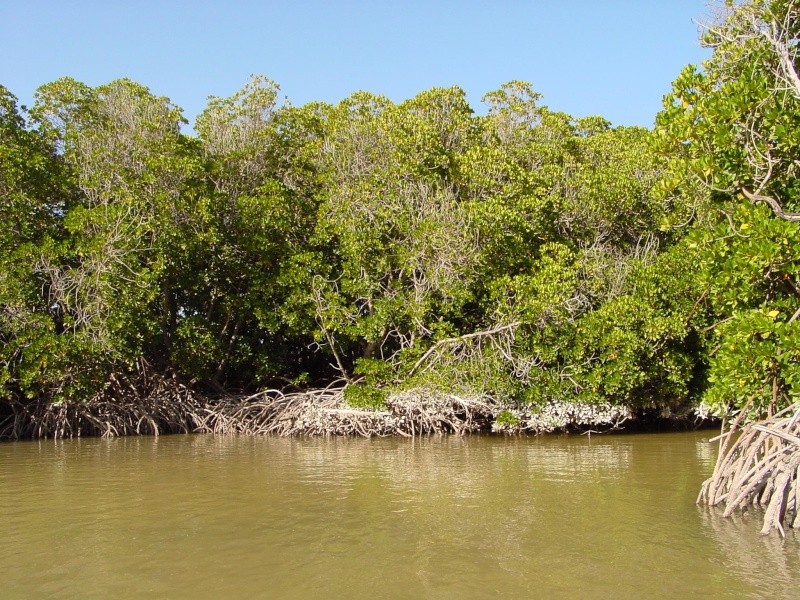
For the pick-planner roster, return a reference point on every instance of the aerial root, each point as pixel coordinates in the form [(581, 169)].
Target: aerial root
[(760, 468), (170, 407)]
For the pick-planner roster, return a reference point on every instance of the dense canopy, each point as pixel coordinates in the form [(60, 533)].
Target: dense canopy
[(521, 253)]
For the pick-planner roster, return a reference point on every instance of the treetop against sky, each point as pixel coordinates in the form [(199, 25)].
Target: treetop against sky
[(613, 58)]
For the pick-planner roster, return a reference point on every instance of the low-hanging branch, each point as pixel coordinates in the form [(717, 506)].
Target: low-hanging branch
[(461, 338)]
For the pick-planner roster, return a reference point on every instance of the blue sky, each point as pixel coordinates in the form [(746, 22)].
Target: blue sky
[(615, 58)]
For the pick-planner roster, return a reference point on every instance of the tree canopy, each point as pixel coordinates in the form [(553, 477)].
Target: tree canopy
[(731, 133), (520, 253)]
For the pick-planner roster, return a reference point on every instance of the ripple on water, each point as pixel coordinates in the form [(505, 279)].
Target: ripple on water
[(204, 517)]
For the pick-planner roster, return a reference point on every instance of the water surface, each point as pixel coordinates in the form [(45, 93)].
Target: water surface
[(441, 517)]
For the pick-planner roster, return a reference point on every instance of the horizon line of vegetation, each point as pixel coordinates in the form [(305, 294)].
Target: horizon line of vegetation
[(522, 254)]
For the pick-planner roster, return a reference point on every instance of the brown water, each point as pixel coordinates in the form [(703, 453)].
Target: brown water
[(444, 517)]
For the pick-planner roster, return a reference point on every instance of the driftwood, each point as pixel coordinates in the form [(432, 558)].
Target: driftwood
[(759, 465)]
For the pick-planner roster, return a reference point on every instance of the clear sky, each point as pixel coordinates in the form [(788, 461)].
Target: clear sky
[(615, 58)]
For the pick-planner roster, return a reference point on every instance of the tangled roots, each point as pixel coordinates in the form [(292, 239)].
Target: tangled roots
[(172, 408), (761, 468)]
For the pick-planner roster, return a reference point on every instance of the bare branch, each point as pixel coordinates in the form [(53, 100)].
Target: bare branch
[(459, 339), (776, 207)]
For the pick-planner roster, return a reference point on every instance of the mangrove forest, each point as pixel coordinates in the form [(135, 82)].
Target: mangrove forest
[(373, 267)]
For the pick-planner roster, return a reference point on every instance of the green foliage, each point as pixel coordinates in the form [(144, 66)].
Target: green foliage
[(394, 248), (732, 132), (365, 396), (521, 253), (507, 419)]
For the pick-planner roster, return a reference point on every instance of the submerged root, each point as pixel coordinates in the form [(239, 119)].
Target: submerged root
[(760, 467)]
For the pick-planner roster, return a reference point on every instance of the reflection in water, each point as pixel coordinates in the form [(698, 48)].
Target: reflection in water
[(440, 517), (773, 559), (707, 452)]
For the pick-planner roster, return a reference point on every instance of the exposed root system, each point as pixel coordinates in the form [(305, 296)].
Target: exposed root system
[(167, 408), (760, 468), (316, 412), (172, 408), (565, 416), (325, 412)]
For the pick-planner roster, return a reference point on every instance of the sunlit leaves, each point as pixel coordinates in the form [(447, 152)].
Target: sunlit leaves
[(304, 243), (729, 127)]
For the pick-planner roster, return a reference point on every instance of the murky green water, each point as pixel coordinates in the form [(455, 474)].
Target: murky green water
[(448, 517)]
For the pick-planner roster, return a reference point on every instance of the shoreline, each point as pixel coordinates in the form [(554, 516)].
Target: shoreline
[(325, 412)]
